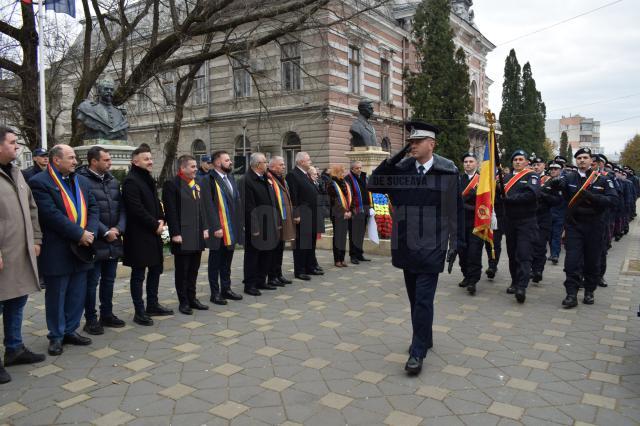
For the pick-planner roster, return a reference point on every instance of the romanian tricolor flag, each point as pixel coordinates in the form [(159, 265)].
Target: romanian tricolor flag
[(486, 192)]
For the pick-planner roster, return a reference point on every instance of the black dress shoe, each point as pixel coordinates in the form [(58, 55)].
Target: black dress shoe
[(521, 295), (463, 283), (570, 301), (284, 280), (603, 283), (491, 272), (588, 298), (364, 259), (158, 311), (75, 339), (252, 291), (355, 261), (471, 289), (275, 283), (554, 260), (413, 366), (55, 348), (511, 290), (316, 272), (185, 309), (22, 356), (267, 287), (195, 304), (111, 321), (93, 327), (231, 295), (4, 376), (536, 277), (218, 300), (303, 277), (143, 319)]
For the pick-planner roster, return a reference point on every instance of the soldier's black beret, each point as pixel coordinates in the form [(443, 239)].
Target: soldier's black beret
[(518, 152), (583, 150)]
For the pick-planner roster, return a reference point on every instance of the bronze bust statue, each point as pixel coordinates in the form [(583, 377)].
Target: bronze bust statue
[(362, 132), (102, 119)]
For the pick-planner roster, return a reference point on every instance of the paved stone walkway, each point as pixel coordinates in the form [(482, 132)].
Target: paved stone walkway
[(331, 352)]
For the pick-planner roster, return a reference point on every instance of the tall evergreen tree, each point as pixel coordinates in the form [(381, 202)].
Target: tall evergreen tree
[(564, 144), (569, 156), (511, 112), (533, 114), (439, 92)]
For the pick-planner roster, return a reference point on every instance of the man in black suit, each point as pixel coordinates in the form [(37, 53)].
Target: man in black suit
[(361, 207), (262, 225), (304, 197), (225, 225)]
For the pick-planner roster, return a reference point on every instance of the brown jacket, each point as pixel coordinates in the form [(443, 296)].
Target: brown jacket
[(288, 232), (19, 232)]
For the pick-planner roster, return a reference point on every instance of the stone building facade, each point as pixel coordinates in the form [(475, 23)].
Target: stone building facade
[(301, 92)]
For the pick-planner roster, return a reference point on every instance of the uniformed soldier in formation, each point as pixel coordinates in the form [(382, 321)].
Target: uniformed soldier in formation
[(427, 217), (519, 196), (598, 163), (589, 194), (547, 198), (557, 218), (471, 255)]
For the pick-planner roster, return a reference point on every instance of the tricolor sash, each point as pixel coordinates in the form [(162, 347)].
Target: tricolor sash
[(225, 218), (544, 179), (515, 178), (279, 197), (191, 183), (592, 177), (357, 200), (345, 199), (75, 206), (471, 185)]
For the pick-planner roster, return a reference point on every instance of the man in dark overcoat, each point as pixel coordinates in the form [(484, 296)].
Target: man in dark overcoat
[(427, 218), (142, 242), (261, 223)]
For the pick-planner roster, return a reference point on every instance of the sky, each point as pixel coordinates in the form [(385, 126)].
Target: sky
[(589, 65)]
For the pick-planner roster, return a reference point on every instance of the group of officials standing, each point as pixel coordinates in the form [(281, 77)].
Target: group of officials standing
[(70, 226)]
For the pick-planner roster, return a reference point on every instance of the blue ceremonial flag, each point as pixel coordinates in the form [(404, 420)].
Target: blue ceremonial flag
[(62, 6)]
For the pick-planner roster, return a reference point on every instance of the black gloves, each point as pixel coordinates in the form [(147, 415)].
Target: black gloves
[(399, 156)]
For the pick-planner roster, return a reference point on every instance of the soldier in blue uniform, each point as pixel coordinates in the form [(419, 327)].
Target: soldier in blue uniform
[(427, 218), (589, 194), (557, 218), (519, 195), (547, 198)]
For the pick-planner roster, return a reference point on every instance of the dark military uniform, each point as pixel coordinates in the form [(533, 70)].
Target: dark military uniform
[(584, 230), (520, 199), (471, 255), (547, 197)]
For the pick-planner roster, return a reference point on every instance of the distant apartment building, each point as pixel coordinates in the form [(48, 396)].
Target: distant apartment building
[(581, 132)]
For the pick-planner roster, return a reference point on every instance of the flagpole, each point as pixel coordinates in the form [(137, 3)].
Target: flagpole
[(43, 106)]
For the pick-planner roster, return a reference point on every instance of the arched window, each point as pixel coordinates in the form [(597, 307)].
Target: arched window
[(291, 145), (386, 144), (474, 97), (198, 149), (240, 161)]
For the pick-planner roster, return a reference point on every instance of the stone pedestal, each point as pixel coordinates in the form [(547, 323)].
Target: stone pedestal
[(370, 156), (120, 151)]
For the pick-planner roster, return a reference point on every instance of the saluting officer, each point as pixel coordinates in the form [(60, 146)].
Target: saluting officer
[(471, 255), (520, 195), (589, 194), (547, 198), (427, 216)]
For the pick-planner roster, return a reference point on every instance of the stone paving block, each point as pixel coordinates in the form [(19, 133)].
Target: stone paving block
[(276, 384), (399, 418), (456, 371), (534, 363), (433, 392), (609, 358), (228, 369), (525, 385), (370, 377), (316, 363), (268, 351), (152, 337), (335, 401), (139, 364), (397, 358), (604, 377), (104, 352), (480, 353), (137, 377), (347, 347), (506, 410), (177, 391), (187, 347), (612, 342), (11, 409), (78, 385), (301, 337), (229, 410), (113, 418), (599, 401), (45, 371), (73, 401)]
